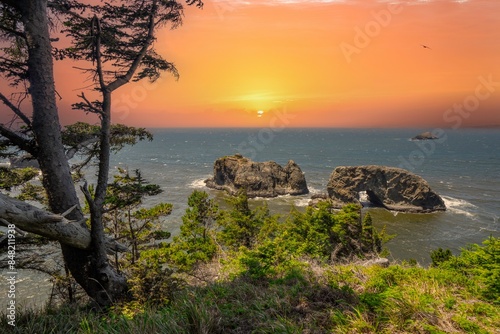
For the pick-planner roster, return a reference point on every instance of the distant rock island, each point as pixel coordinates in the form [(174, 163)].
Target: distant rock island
[(260, 179), (425, 136), (392, 188)]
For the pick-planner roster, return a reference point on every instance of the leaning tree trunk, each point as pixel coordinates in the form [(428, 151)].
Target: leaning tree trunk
[(51, 156), (107, 276)]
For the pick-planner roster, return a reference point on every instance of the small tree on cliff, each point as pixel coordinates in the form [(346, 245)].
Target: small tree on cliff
[(117, 34)]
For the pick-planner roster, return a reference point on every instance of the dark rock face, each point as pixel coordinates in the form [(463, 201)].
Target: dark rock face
[(425, 136), (392, 188), (260, 179), (23, 162)]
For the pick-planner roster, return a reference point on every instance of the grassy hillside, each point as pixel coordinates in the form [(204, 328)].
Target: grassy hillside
[(246, 271)]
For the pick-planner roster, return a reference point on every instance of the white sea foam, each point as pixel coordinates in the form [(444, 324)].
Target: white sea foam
[(302, 202), (459, 206), (363, 196), (198, 183), (314, 191), (264, 198)]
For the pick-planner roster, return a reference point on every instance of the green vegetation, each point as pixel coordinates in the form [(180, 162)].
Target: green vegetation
[(439, 256), (244, 270), (10, 178), (196, 243)]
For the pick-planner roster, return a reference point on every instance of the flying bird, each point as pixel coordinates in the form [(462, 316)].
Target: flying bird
[(425, 47)]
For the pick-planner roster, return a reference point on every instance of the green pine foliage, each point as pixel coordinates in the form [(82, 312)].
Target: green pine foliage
[(139, 228), (481, 264), (341, 298), (126, 219), (27, 183), (263, 246), (295, 274), (331, 236), (241, 226), (80, 132), (439, 256), (196, 242), (11, 178)]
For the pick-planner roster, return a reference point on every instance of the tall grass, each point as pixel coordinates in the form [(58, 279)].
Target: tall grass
[(336, 299)]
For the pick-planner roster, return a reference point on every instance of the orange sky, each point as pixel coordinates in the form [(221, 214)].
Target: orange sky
[(310, 63)]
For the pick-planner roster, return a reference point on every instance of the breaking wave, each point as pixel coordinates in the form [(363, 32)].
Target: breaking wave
[(198, 183), (302, 202), (460, 206)]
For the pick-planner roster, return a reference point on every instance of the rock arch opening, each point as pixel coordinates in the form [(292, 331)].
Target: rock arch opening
[(388, 187)]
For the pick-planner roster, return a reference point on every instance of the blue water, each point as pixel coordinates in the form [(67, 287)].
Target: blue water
[(463, 167)]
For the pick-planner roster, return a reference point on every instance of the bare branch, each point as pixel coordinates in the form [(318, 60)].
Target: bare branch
[(72, 151), (89, 104), (16, 110), (55, 227), (67, 212), (88, 197), (96, 31), (6, 224), (78, 167), (34, 220), (16, 139)]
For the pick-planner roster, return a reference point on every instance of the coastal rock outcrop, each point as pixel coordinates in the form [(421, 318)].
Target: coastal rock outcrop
[(425, 136), (23, 161), (389, 187), (260, 179)]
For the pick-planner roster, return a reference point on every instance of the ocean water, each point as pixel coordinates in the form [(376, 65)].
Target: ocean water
[(463, 166)]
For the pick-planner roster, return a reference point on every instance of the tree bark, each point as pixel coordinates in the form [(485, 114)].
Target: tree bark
[(46, 126), (31, 219), (104, 287), (108, 277)]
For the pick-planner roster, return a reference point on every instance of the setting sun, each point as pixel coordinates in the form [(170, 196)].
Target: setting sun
[(331, 63)]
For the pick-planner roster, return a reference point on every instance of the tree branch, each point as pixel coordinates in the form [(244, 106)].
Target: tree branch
[(16, 110), (96, 30), (64, 8), (19, 141), (137, 61), (88, 197), (78, 167), (72, 151), (34, 220), (12, 31), (89, 104)]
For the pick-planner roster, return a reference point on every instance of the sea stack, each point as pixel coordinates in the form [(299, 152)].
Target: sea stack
[(259, 179), (425, 136), (389, 187)]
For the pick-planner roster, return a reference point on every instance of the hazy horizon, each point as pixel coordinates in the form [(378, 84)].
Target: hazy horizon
[(423, 128)]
